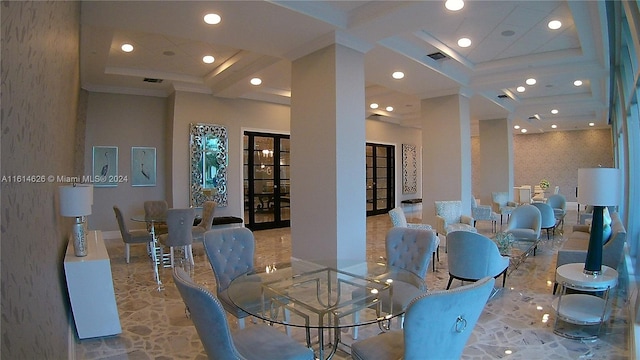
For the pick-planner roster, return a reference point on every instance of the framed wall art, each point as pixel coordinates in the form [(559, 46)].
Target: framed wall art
[(143, 166), (409, 169), (105, 166)]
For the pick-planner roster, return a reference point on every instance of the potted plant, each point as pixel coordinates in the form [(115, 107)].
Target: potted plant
[(544, 184)]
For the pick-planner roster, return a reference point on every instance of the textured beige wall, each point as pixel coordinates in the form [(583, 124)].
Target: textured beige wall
[(40, 85), (555, 156)]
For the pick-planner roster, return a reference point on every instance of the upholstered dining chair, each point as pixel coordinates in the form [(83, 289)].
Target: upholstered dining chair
[(525, 223), (547, 218), (559, 205), (437, 326), (502, 205), (131, 236), (406, 249), (449, 218), (483, 213), (474, 256), (179, 222), (156, 209), (398, 219), (208, 210), (257, 342)]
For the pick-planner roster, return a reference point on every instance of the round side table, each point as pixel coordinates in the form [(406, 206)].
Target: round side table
[(583, 308)]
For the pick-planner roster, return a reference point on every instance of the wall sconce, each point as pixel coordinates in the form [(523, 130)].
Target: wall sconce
[(76, 201), (598, 187)]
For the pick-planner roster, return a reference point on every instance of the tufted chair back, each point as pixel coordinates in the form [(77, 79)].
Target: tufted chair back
[(410, 249), (179, 222), (398, 218), (230, 252)]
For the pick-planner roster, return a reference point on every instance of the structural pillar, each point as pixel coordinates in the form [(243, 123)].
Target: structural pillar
[(446, 153), (496, 158), (328, 199)]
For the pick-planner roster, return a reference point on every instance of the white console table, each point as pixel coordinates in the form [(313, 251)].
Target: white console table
[(90, 287)]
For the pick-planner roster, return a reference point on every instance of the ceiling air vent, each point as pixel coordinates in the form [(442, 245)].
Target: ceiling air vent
[(437, 56), (503, 96), (152, 80)]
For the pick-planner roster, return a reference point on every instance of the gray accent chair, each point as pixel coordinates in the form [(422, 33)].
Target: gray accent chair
[(131, 236), (474, 256), (437, 326), (208, 210), (483, 213), (407, 249), (231, 254), (156, 209), (259, 342), (180, 222), (502, 205), (548, 218), (525, 223), (398, 219), (559, 205)]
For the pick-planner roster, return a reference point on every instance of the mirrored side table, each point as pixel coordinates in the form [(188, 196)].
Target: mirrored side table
[(580, 313)]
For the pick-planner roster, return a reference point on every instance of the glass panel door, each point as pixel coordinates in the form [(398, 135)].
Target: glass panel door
[(380, 160), (266, 180)]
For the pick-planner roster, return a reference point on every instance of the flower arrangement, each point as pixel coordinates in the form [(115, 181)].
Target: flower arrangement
[(504, 241), (544, 184)]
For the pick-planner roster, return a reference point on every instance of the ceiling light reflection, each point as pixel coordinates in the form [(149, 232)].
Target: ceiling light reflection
[(454, 5)]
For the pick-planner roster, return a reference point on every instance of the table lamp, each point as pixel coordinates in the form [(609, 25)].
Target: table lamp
[(76, 201), (598, 187)]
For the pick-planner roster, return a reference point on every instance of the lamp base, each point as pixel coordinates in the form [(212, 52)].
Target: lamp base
[(593, 273), (593, 262), (79, 237)]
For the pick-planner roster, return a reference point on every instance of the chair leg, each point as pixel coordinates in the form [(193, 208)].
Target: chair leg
[(555, 288), (241, 323), (433, 262), (171, 253), (504, 276), (126, 252), (449, 283), (356, 318)]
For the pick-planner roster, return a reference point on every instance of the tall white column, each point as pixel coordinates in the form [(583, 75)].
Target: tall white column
[(496, 158), (446, 153), (328, 199)]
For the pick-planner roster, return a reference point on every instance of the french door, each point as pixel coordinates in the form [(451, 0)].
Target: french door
[(266, 180), (380, 178)]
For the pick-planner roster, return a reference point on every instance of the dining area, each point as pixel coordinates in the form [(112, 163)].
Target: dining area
[(157, 323)]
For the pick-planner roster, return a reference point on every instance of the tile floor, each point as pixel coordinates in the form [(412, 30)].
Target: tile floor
[(517, 323)]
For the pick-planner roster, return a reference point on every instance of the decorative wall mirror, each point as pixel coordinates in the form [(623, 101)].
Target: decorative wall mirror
[(208, 161)]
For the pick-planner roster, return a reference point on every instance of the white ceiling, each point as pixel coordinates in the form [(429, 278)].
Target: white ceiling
[(261, 38)]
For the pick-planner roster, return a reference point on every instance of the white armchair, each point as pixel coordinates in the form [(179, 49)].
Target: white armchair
[(502, 205), (449, 218), (398, 219)]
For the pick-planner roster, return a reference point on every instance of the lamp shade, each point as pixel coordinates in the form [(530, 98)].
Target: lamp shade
[(76, 200), (599, 186)]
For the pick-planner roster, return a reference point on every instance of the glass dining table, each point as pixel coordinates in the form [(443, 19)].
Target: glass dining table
[(322, 296), (155, 251)]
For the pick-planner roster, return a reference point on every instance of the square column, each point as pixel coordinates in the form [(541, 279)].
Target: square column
[(496, 158), (446, 153), (328, 198)]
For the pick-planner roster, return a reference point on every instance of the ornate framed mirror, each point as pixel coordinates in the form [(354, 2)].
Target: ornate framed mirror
[(208, 161)]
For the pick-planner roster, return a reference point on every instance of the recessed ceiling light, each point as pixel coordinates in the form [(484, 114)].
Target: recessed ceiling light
[(516, 127), (212, 19), (373, 106), (523, 130), (530, 81), (389, 108), (464, 42), (208, 59), (592, 124), (127, 47), (577, 83), (554, 126), (256, 81), (554, 111), (397, 75), (454, 5), (520, 89), (554, 24)]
